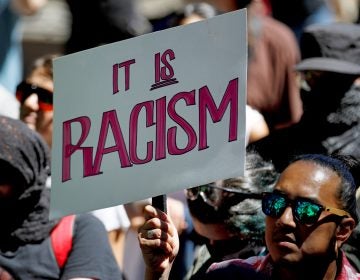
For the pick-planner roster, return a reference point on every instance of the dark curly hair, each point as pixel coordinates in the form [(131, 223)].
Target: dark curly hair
[(239, 199)]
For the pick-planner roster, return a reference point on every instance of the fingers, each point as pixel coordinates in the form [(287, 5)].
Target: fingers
[(156, 219), (152, 234), (158, 232), (152, 212)]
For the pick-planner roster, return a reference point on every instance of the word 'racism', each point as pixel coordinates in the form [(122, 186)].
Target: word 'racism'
[(155, 112)]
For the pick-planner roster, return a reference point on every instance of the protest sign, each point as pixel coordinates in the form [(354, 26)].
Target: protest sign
[(150, 115)]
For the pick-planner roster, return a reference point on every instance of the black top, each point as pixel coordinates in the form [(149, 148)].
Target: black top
[(91, 256)]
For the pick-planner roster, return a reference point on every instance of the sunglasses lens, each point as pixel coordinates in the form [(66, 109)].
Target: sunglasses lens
[(19, 96), (24, 90), (45, 96), (273, 205), (192, 193), (45, 106), (209, 195), (307, 212)]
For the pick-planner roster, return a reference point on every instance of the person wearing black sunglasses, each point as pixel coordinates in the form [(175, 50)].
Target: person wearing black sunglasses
[(227, 218), (310, 214), (35, 95)]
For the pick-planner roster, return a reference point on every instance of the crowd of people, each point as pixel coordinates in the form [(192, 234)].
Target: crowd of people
[(293, 215)]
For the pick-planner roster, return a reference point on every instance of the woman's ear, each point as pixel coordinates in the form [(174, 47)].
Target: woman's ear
[(344, 230)]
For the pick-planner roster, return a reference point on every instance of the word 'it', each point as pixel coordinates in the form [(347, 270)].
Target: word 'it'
[(164, 72), (165, 140)]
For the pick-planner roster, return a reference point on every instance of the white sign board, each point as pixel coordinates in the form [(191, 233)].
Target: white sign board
[(150, 115)]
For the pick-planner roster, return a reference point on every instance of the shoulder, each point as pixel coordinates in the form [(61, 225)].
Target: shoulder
[(347, 270), (87, 220), (91, 255), (89, 228)]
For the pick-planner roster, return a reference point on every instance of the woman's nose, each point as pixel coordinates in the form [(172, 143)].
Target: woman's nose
[(287, 218), (32, 102)]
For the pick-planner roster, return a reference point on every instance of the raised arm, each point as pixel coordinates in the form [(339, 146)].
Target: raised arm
[(159, 243)]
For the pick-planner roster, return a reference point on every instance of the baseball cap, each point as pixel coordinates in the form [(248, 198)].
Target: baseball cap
[(333, 47)]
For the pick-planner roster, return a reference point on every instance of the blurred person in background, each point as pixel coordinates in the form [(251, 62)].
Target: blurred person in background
[(194, 12), (35, 94), (329, 72), (96, 23), (256, 126), (346, 11), (298, 14), (272, 54), (11, 52)]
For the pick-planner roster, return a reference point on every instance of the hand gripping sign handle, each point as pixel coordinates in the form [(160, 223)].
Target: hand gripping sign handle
[(159, 202)]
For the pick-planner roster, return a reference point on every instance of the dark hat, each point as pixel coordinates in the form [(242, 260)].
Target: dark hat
[(331, 47)]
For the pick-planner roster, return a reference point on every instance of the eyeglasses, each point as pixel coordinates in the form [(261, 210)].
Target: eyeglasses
[(304, 210), (214, 195), (24, 90)]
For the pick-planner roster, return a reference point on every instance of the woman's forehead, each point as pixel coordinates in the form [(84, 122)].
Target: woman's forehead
[(308, 179)]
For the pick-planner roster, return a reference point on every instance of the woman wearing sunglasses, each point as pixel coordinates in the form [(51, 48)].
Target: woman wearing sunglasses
[(309, 215), (35, 95), (227, 216)]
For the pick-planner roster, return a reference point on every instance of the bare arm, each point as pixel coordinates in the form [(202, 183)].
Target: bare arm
[(159, 243)]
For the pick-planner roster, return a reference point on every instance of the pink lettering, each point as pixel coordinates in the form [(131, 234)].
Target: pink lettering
[(126, 65), (206, 103), (189, 98), (160, 152), (149, 108), (110, 120), (166, 139), (69, 149)]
